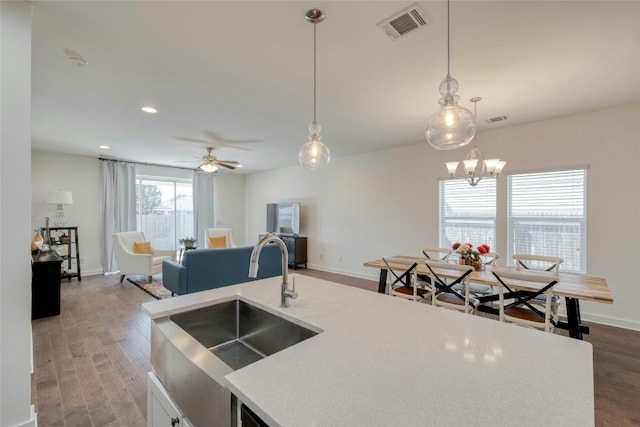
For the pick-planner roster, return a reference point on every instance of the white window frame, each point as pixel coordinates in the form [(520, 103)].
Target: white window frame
[(559, 189), (457, 209)]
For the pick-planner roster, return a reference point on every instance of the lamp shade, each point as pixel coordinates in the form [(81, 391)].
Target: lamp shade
[(59, 197)]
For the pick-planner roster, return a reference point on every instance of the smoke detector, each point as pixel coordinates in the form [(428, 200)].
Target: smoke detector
[(75, 58), (405, 21)]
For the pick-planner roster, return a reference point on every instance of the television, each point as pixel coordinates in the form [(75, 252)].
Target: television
[(283, 218)]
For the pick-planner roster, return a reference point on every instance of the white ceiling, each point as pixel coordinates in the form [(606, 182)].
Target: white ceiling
[(240, 73)]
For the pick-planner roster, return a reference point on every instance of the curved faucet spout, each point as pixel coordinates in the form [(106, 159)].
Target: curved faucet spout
[(253, 266)]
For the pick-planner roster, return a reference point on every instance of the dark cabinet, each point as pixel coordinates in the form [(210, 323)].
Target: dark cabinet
[(297, 249), (45, 285), (249, 418), (66, 240)]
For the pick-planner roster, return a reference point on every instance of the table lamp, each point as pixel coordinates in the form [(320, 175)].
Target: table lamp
[(59, 198)]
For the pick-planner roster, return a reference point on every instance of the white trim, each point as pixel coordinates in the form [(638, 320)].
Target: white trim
[(546, 170)]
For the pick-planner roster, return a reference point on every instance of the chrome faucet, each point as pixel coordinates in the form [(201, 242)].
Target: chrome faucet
[(285, 293)]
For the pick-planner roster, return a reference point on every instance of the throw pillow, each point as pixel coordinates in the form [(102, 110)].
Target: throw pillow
[(142, 248), (218, 242)]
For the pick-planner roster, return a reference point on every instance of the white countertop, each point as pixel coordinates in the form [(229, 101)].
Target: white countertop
[(385, 361)]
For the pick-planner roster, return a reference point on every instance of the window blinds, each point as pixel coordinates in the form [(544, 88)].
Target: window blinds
[(547, 216), (467, 214)]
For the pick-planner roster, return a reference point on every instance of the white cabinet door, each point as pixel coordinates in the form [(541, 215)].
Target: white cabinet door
[(161, 409)]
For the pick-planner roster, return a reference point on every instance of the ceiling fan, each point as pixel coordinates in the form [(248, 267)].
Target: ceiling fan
[(210, 163)]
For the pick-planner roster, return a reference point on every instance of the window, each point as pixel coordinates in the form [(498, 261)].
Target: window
[(547, 216), (164, 210), (467, 214)]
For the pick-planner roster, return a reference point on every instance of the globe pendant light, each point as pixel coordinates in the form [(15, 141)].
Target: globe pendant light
[(452, 126), (314, 154)]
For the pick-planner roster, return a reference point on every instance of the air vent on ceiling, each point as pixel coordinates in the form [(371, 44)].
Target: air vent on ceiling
[(497, 119), (405, 21)]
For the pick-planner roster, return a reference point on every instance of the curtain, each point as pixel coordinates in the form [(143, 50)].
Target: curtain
[(118, 206), (202, 204)]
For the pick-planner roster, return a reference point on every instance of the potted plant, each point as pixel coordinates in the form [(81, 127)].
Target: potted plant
[(188, 242)]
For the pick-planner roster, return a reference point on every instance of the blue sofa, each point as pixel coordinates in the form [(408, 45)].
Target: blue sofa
[(204, 269)]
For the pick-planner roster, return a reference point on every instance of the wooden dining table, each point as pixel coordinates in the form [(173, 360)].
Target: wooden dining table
[(573, 287)]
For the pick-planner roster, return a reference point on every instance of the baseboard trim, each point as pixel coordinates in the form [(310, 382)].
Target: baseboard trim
[(589, 317), (611, 321)]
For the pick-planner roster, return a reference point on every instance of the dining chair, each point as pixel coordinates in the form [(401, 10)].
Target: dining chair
[(522, 307), (402, 279), (444, 292), (537, 262), (435, 253), (540, 263)]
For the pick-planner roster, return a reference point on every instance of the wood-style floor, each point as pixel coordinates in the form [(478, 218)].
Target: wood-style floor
[(91, 361)]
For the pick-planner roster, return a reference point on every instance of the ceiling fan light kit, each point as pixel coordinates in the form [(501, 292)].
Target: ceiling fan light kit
[(210, 163), (452, 126), (314, 154)]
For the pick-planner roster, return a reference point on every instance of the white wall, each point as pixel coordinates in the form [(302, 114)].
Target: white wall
[(382, 203), (15, 267), (228, 199), (83, 177)]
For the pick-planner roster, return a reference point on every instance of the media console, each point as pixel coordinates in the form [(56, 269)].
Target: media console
[(297, 249)]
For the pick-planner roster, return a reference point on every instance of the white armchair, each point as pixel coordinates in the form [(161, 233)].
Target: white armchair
[(218, 232), (131, 263)]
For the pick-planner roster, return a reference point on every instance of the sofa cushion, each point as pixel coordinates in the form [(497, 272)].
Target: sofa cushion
[(142, 248), (218, 242)]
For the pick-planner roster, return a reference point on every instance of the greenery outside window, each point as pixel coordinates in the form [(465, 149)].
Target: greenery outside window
[(164, 210)]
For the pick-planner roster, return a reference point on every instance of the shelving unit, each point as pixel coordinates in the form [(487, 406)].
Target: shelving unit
[(70, 249), (297, 249)]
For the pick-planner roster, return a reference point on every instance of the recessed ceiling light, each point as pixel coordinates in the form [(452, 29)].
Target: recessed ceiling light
[(149, 109), (104, 147)]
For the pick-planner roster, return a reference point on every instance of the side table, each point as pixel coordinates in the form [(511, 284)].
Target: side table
[(45, 284), (184, 249)]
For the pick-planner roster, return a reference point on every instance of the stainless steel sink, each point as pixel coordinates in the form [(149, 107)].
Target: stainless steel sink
[(193, 351), (240, 333)]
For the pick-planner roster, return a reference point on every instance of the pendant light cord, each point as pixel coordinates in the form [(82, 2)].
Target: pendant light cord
[(448, 38), (314, 71)]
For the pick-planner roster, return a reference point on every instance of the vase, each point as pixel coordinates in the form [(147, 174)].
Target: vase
[(477, 265)]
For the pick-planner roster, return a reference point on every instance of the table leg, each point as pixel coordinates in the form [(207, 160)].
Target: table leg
[(573, 317), (382, 282)]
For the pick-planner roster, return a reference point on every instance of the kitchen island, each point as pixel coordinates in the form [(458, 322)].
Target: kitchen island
[(384, 361)]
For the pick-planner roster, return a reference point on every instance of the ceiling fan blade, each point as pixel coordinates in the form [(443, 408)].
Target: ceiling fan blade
[(225, 165), (231, 162), (199, 141)]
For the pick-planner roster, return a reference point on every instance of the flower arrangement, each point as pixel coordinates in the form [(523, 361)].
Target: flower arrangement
[(469, 255)]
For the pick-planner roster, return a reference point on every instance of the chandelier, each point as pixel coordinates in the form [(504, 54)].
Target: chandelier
[(475, 166), (314, 154), (452, 126)]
